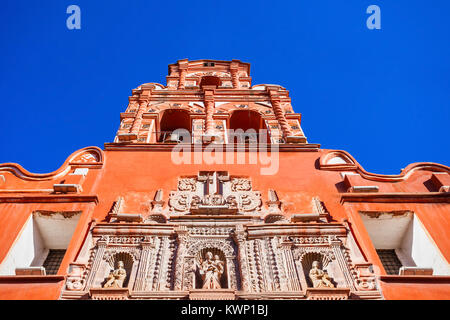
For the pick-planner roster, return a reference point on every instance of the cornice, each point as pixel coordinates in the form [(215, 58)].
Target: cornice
[(397, 197), (32, 279), (415, 279), (137, 229), (49, 199), (306, 147), (296, 229)]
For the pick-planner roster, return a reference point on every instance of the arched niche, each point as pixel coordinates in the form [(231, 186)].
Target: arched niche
[(307, 260), (171, 120), (110, 263), (197, 250), (327, 262), (216, 253), (249, 121)]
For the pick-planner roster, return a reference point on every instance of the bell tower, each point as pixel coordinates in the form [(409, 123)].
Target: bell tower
[(208, 98)]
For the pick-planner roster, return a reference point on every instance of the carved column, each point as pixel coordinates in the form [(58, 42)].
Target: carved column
[(182, 80), (234, 76), (182, 70), (209, 110), (336, 247), (101, 247), (138, 119), (279, 114), (182, 236), (147, 246), (239, 236), (294, 284), (232, 281)]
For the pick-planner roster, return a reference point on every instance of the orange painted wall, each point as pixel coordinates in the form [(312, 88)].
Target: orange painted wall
[(440, 290), (137, 175), (34, 288)]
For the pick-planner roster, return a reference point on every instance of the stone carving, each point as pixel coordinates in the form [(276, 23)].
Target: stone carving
[(210, 231), (223, 245), (75, 279), (129, 240), (161, 265), (214, 193), (187, 184), (87, 157), (211, 270), (116, 277), (213, 200), (240, 184), (319, 278), (157, 203), (180, 202), (192, 254), (361, 275), (307, 240), (117, 207), (244, 255)]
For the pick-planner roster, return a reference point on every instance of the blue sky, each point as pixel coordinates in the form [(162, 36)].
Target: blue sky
[(382, 95)]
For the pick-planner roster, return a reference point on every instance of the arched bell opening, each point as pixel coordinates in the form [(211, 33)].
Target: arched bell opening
[(210, 81), (246, 126), (171, 121)]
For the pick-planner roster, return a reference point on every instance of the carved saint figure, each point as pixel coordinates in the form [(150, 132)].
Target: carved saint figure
[(116, 277), (319, 278), (211, 271)]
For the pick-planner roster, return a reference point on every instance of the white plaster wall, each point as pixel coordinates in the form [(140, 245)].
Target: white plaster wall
[(56, 230), (39, 234), (336, 160), (421, 249), (387, 231), (412, 243), (28, 250)]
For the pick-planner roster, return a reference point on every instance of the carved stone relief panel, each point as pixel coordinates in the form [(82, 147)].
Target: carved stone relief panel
[(159, 276), (214, 193), (333, 258), (247, 256), (206, 258)]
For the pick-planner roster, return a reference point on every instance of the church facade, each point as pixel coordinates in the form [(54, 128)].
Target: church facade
[(210, 190)]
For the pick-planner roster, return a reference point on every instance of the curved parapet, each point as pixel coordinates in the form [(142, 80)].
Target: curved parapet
[(86, 157), (339, 160)]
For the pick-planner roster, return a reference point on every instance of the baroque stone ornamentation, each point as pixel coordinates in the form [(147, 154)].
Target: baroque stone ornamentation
[(240, 184), (319, 277), (211, 271), (77, 277), (187, 184), (243, 255), (116, 277), (217, 193)]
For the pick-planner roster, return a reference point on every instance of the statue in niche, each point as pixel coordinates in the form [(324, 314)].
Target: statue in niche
[(211, 271), (116, 277), (319, 278)]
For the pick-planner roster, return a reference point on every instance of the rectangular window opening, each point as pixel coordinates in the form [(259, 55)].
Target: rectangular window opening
[(403, 244), (390, 261), (41, 244), (53, 261)]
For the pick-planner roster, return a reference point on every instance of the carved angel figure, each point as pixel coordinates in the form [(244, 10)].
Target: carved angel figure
[(211, 271), (116, 277), (319, 278)]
